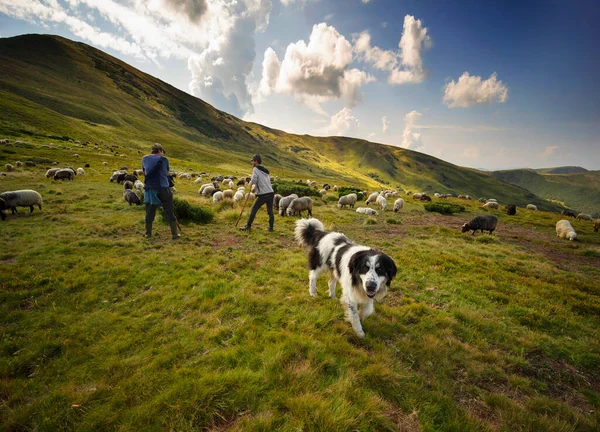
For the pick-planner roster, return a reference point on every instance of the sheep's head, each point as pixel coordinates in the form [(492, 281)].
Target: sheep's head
[(572, 236), (465, 227)]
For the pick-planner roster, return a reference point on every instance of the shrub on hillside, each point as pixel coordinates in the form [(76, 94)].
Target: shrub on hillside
[(285, 188), (444, 207), (187, 212), (345, 190)]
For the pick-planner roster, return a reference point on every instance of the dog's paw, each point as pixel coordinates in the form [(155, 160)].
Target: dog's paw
[(313, 294), (360, 334)]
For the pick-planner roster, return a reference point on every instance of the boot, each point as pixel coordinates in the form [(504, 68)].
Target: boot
[(173, 225), (148, 230), (246, 228)]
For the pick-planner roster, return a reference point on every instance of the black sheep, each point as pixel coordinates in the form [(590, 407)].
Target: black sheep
[(569, 213), (425, 198), (483, 223), (511, 209), (126, 177)]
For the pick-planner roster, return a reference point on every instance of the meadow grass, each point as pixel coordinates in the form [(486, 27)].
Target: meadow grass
[(102, 329)]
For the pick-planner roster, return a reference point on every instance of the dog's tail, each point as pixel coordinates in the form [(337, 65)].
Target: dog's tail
[(306, 230)]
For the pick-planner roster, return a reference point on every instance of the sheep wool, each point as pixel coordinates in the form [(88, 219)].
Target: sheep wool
[(565, 230)]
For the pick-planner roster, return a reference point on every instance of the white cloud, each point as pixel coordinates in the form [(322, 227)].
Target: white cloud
[(471, 90), (216, 37), (365, 1), (406, 65), (343, 123), (386, 124), (318, 71), (548, 151), (411, 140), (299, 3)]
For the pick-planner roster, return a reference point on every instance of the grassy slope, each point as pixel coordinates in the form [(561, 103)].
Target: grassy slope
[(580, 191), (54, 89), (103, 330), (561, 170)]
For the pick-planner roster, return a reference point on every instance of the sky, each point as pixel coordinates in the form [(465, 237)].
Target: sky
[(483, 84)]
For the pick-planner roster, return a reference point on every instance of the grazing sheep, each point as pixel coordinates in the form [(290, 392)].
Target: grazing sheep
[(511, 209), (104, 163), (131, 197), (492, 200), (468, 197), (490, 205), (198, 180), (21, 198), (326, 186), (398, 204), (408, 192), (367, 211), (564, 229), (323, 191), (372, 198), (584, 216), (483, 223), (276, 199), (251, 196), (123, 168), (417, 196), (51, 172), (128, 185), (124, 177), (218, 197), (76, 155), (425, 197), (228, 193), (531, 207), (285, 202), (437, 195), (9, 167), (80, 171), (86, 165), (482, 199), (597, 225), (115, 175), (298, 205), (382, 202), (138, 185), (64, 173), (204, 186), (461, 197), (239, 196), (122, 155), (138, 172), (570, 213), (231, 184), (29, 163), (347, 200), (18, 164), (208, 190), (335, 188)]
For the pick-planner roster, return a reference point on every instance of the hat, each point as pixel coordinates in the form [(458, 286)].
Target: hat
[(256, 158), (157, 147)]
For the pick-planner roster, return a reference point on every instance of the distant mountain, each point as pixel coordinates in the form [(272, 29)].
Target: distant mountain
[(52, 88), (561, 170), (579, 191)]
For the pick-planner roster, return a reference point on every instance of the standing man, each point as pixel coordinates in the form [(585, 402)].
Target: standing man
[(264, 192), (157, 190)]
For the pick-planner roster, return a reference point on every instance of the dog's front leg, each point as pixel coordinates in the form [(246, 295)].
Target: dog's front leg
[(312, 282), (366, 310), (332, 285), (351, 310)]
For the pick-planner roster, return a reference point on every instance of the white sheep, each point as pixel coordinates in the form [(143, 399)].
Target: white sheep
[(228, 193), (491, 205), (18, 164), (138, 172), (122, 155), (51, 172), (80, 171), (530, 207), (198, 180), (208, 190), (21, 198), (231, 184), (347, 200), (239, 196), (372, 198), (323, 191), (367, 211), (584, 216), (382, 202), (492, 200), (9, 167), (138, 185), (204, 186), (76, 155), (335, 188), (437, 195), (565, 230), (298, 205), (398, 204), (417, 196), (104, 163), (251, 196), (285, 202), (218, 197)]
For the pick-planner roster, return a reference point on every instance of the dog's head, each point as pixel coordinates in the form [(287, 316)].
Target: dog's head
[(372, 271)]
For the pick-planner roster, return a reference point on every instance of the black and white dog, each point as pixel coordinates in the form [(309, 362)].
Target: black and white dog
[(364, 273)]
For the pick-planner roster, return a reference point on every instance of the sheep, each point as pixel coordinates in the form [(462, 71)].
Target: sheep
[(417, 196), (123, 168), (87, 165), (326, 186), (584, 216), (18, 164), (531, 207), (251, 196), (372, 198), (408, 192), (335, 188), (483, 223), (425, 197), (437, 195), (127, 185), (204, 186), (570, 213), (228, 193), (398, 204), (123, 177), (565, 230), (298, 205), (323, 191), (208, 191), (482, 200), (104, 163), (138, 185), (198, 180), (468, 197), (76, 155), (138, 172), (239, 196), (276, 199), (115, 175), (218, 197), (122, 156), (490, 205), (21, 198), (347, 200), (382, 202), (285, 202), (511, 209), (80, 171), (492, 200), (51, 172), (131, 197), (29, 163), (597, 225), (367, 211), (64, 173), (231, 184)]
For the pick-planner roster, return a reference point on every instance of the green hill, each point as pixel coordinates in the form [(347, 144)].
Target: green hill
[(561, 170), (54, 89), (579, 191)]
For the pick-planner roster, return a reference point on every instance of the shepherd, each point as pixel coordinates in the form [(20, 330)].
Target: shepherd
[(264, 192), (157, 189)]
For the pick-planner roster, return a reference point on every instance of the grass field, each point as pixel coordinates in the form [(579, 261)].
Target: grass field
[(102, 329)]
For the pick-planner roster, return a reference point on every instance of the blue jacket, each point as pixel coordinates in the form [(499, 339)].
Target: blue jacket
[(155, 169)]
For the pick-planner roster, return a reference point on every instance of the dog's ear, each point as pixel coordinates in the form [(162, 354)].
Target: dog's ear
[(390, 268), (356, 262)]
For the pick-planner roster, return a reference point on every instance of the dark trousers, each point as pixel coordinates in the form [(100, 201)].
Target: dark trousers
[(166, 197), (260, 200)]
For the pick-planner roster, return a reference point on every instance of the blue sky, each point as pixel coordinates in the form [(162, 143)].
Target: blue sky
[(484, 84)]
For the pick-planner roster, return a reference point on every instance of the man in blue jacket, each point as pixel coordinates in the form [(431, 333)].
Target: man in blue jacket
[(157, 189), (264, 192)]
